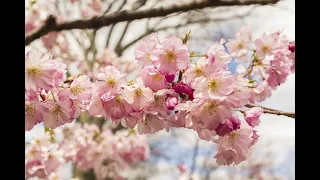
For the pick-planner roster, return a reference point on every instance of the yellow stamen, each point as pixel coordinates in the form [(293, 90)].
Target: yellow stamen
[(240, 46), (213, 85), (76, 89), (265, 48), (30, 110), (34, 71), (198, 71), (56, 111), (138, 92), (234, 136), (111, 82), (158, 101), (169, 56), (211, 107), (156, 77)]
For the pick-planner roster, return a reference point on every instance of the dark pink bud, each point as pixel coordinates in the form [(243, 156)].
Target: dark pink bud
[(292, 47), (171, 102), (183, 89), (170, 78), (233, 123)]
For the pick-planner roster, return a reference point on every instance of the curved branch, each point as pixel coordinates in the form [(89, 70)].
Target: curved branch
[(51, 25), (111, 28), (273, 111)]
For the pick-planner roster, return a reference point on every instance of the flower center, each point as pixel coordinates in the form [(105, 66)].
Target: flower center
[(240, 46), (56, 111), (138, 92), (265, 48), (158, 101), (76, 89), (111, 82), (213, 85), (170, 56), (211, 107), (30, 110), (148, 57), (156, 77), (198, 71), (234, 136), (34, 71), (147, 119)]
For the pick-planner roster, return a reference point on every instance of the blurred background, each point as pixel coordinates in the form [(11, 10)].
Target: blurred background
[(180, 154)]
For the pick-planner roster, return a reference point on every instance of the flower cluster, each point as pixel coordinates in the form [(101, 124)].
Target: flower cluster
[(87, 147), (175, 88)]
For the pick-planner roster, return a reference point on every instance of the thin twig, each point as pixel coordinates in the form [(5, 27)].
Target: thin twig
[(272, 111)]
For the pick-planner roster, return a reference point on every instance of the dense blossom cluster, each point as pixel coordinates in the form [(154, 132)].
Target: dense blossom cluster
[(175, 88), (87, 147)]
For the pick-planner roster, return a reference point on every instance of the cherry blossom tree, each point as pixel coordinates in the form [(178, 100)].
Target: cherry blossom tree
[(75, 88)]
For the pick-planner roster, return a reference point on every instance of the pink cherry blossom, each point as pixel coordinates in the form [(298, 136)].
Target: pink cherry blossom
[(209, 114), (174, 55), (277, 73), (240, 140), (265, 44), (57, 113), (200, 68), (138, 96), (217, 53), (115, 107), (160, 101), (226, 157), (239, 47), (151, 123), (43, 72), (186, 112), (33, 114), (95, 108), (145, 50), (241, 94), (216, 86), (110, 80), (80, 90), (153, 79), (252, 116), (261, 93), (53, 161)]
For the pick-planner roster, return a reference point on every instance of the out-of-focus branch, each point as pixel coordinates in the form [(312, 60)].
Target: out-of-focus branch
[(112, 26), (194, 157), (154, 29), (109, 8), (138, 4), (51, 25), (118, 46), (272, 111)]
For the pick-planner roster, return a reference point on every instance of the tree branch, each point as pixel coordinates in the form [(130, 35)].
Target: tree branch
[(111, 28), (51, 25), (272, 111)]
